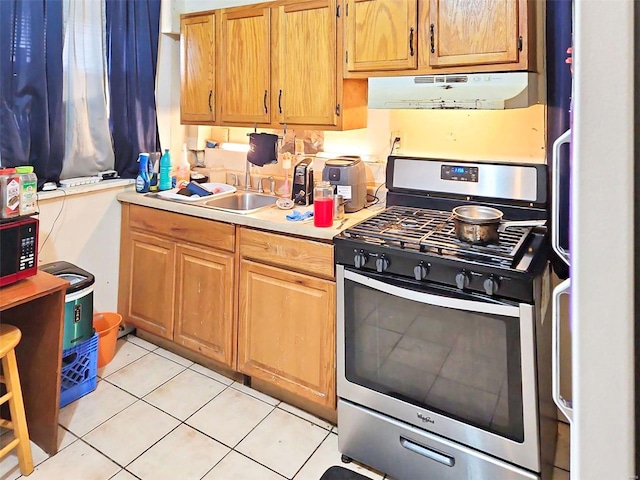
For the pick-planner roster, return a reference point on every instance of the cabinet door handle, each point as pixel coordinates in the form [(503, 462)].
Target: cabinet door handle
[(431, 34), (280, 101), (411, 42), (210, 95), (265, 102)]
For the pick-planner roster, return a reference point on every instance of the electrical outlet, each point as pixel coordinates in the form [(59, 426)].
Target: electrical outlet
[(225, 135), (396, 145)]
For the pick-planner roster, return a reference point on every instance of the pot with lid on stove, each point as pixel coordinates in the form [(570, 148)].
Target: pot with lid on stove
[(347, 174)]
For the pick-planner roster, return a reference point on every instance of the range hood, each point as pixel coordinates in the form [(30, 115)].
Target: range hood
[(475, 91)]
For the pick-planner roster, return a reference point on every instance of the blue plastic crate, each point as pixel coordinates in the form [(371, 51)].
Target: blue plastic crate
[(79, 371)]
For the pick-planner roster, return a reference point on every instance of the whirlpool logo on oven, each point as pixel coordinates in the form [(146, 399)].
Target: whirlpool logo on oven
[(425, 419)]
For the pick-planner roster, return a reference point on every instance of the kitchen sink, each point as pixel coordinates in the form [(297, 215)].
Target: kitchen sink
[(242, 202)]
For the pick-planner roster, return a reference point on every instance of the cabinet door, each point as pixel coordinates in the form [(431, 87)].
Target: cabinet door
[(204, 319), (307, 63), (151, 266), (197, 80), (474, 33), (286, 332), (245, 62), (381, 35)]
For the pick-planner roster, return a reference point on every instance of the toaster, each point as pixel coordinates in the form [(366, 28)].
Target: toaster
[(302, 190)]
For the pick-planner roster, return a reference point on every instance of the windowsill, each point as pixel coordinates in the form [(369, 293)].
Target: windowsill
[(94, 187)]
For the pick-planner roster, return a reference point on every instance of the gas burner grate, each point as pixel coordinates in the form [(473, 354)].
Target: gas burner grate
[(433, 231)]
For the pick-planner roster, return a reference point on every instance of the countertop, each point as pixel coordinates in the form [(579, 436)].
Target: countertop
[(272, 218)]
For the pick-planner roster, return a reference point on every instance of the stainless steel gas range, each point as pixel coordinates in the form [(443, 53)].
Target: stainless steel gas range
[(444, 347)]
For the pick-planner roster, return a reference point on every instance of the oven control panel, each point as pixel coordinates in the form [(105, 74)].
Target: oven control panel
[(426, 269), (459, 173)]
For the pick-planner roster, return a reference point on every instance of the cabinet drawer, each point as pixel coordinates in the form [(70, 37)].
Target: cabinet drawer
[(201, 231), (296, 254)]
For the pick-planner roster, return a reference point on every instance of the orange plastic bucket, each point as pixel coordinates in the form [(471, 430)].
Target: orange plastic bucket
[(106, 326)]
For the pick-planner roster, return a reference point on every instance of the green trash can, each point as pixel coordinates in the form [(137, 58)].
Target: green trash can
[(78, 302)]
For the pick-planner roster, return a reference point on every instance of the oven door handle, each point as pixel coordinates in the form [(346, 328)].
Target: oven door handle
[(563, 405), (430, 298), (430, 453)]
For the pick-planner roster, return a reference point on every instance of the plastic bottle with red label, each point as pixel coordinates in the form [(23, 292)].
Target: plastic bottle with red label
[(9, 193)]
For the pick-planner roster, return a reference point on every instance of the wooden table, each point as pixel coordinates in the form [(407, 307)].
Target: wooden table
[(36, 306)]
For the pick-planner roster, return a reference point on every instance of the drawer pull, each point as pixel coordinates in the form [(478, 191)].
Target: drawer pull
[(430, 453)]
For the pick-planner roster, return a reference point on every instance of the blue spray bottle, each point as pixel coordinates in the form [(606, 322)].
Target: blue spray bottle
[(143, 180)]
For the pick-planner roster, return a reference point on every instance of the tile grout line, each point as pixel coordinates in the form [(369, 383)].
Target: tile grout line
[(150, 447), (312, 454), (125, 366)]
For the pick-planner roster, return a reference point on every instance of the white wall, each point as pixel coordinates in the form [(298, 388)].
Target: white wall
[(84, 229), (602, 256)]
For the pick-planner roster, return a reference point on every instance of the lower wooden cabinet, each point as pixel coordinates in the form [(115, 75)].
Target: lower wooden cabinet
[(150, 273), (261, 303), (287, 330), (287, 314), (177, 280), (204, 303)]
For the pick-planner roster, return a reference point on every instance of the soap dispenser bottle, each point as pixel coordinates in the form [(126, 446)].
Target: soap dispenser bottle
[(182, 171)]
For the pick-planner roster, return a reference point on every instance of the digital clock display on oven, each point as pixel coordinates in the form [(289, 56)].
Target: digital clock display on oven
[(459, 173)]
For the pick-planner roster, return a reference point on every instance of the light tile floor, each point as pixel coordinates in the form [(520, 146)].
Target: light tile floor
[(158, 416)]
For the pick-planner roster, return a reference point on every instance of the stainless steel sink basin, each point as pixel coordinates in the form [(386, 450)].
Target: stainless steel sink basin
[(242, 202)]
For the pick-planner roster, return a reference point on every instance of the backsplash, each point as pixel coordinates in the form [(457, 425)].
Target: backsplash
[(504, 135)]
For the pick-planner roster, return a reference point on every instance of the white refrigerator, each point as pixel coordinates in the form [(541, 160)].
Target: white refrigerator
[(601, 256)]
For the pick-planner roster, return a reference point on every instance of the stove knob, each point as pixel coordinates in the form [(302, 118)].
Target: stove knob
[(360, 259), (491, 285), (462, 280), (420, 271), (382, 264)]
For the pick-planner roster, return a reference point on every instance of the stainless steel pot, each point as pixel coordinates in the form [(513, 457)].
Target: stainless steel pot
[(481, 225)]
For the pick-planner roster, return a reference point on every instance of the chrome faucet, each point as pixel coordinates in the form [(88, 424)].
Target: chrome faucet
[(247, 177), (235, 178), (272, 184)]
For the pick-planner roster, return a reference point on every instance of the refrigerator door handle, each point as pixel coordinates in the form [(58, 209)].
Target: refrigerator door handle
[(555, 197), (563, 405)]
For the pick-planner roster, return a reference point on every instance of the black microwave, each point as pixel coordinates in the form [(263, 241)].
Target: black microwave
[(19, 247)]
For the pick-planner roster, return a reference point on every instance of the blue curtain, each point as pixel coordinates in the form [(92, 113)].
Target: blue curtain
[(31, 110), (132, 53)]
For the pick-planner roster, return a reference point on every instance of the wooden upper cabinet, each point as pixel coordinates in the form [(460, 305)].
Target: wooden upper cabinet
[(307, 36), (197, 63), (245, 63), (381, 34), (474, 33)]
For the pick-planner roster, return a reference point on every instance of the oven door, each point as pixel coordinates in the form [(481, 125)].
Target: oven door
[(456, 364)]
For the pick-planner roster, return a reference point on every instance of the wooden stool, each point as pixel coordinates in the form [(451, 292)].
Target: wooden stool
[(9, 338)]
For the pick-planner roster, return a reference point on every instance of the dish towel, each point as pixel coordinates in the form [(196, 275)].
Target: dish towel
[(296, 216), (263, 149)]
